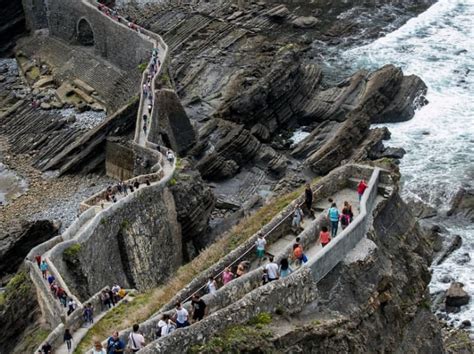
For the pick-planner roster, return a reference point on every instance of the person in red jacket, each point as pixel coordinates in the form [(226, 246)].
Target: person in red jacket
[(361, 188)]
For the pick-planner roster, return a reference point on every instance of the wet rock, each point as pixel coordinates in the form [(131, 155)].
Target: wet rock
[(2, 78), (463, 259), (446, 279), (392, 152), (227, 204), (455, 244), (424, 211), (305, 22), (463, 204), (456, 296), (465, 324)]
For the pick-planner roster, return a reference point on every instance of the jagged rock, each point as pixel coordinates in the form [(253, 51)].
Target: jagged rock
[(463, 259), (305, 22), (456, 296), (423, 211), (463, 204), (194, 204), (455, 244), (227, 204), (233, 147), (278, 12), (2, 78), (465, 324), (261, 132), (17, 240), (392, 152)]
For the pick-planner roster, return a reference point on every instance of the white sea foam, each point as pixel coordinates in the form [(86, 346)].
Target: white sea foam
[(438, 46)]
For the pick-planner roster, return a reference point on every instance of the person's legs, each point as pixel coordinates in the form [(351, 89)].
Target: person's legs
[(334, 228)]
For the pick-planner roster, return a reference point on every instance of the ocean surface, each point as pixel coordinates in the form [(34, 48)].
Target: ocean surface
[(438, 46)]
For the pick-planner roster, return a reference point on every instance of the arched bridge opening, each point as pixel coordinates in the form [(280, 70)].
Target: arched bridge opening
[(85, 34)]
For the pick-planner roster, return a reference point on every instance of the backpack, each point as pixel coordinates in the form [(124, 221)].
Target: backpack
[(345, 219), (333, 214)]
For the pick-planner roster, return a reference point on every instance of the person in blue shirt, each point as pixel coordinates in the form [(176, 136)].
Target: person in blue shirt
[(115, 345), (333, 215)]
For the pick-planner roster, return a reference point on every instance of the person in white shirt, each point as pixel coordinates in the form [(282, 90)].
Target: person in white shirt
[(260, 244), (135, 340), (165, 326), (181, 316), (211, 286), (272, 270), (170, 156)]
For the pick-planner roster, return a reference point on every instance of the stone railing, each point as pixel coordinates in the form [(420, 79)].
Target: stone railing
[(329, 185), (289, 294), (83, 228)]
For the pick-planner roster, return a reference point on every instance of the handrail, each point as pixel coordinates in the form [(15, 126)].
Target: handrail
[(250, 249)]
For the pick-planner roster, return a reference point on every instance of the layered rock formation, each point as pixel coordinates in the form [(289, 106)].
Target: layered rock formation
[(12, 24)]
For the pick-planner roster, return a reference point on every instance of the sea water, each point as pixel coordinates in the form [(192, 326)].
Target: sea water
[(438, 46)]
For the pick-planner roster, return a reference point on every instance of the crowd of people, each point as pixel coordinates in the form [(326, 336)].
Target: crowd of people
[(271, 271)]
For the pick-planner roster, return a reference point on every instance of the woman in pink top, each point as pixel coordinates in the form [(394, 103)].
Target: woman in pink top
[(324, 236), (227, 276)]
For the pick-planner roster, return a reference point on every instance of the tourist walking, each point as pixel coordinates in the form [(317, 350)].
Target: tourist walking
[(71, 306), (347, 215), (297, 217), (136, 341), (265, 279), (227, 276), (242, 268), (199, 308), (68, 339), (170, 156), (361, 188), (211, 286), (88, 314), (285, 269), (298, 253), (272, 269), (46, 348), (50, 279), (98, 348), (115, 345), (308, 198), (324, 236), (260, 246), (181, 316), (165, 326), (333, 215), (38, 260), (44, 269)]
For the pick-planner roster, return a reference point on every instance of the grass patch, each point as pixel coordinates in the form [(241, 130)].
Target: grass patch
[(2, 299), (239, 338), (148, 303), (72, 251), (142, 67)]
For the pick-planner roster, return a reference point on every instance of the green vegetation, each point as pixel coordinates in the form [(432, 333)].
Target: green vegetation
[(148, 303), (125, 224), (2, 299), (18, 286), (142, 67), (172, 182), (31, 341), (71, 252), (239, 338)]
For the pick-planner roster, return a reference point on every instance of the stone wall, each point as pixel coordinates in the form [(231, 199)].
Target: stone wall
[(112, 41), (119, 160), (129, 243)]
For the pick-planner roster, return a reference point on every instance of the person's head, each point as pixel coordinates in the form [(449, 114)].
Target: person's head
[(298, 240), (260, 235), (333, 205), (295, 245), (271, 258), (324, 229), (115, 335), (330, 200), (196, 297), (211, 279), (98, 345), (178, 305), (66, 331), (135, 327), (346, 203), (227, 269), (284, 263), (308, 186), (265, 271), (165, 317)]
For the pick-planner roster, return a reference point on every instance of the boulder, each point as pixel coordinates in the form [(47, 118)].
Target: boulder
[(456, 296), (278, 12), (45, 105), (393, 152), (305, 22), (463, 204), (455, 244)]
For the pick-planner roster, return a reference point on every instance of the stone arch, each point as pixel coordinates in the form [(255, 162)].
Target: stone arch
[(85, 34)]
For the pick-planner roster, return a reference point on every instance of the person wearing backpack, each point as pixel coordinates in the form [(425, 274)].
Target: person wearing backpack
[(333, 215), (136, 341), (298, 254), (297, 217), (347, 215)]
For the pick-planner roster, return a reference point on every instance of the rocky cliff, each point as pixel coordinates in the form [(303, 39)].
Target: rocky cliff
[(12, 24), (375, 301)]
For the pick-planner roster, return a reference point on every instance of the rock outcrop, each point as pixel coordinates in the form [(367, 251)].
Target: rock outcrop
[(194, 204), (17, 240), (12, 24), (463, 204), (456, 297)]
